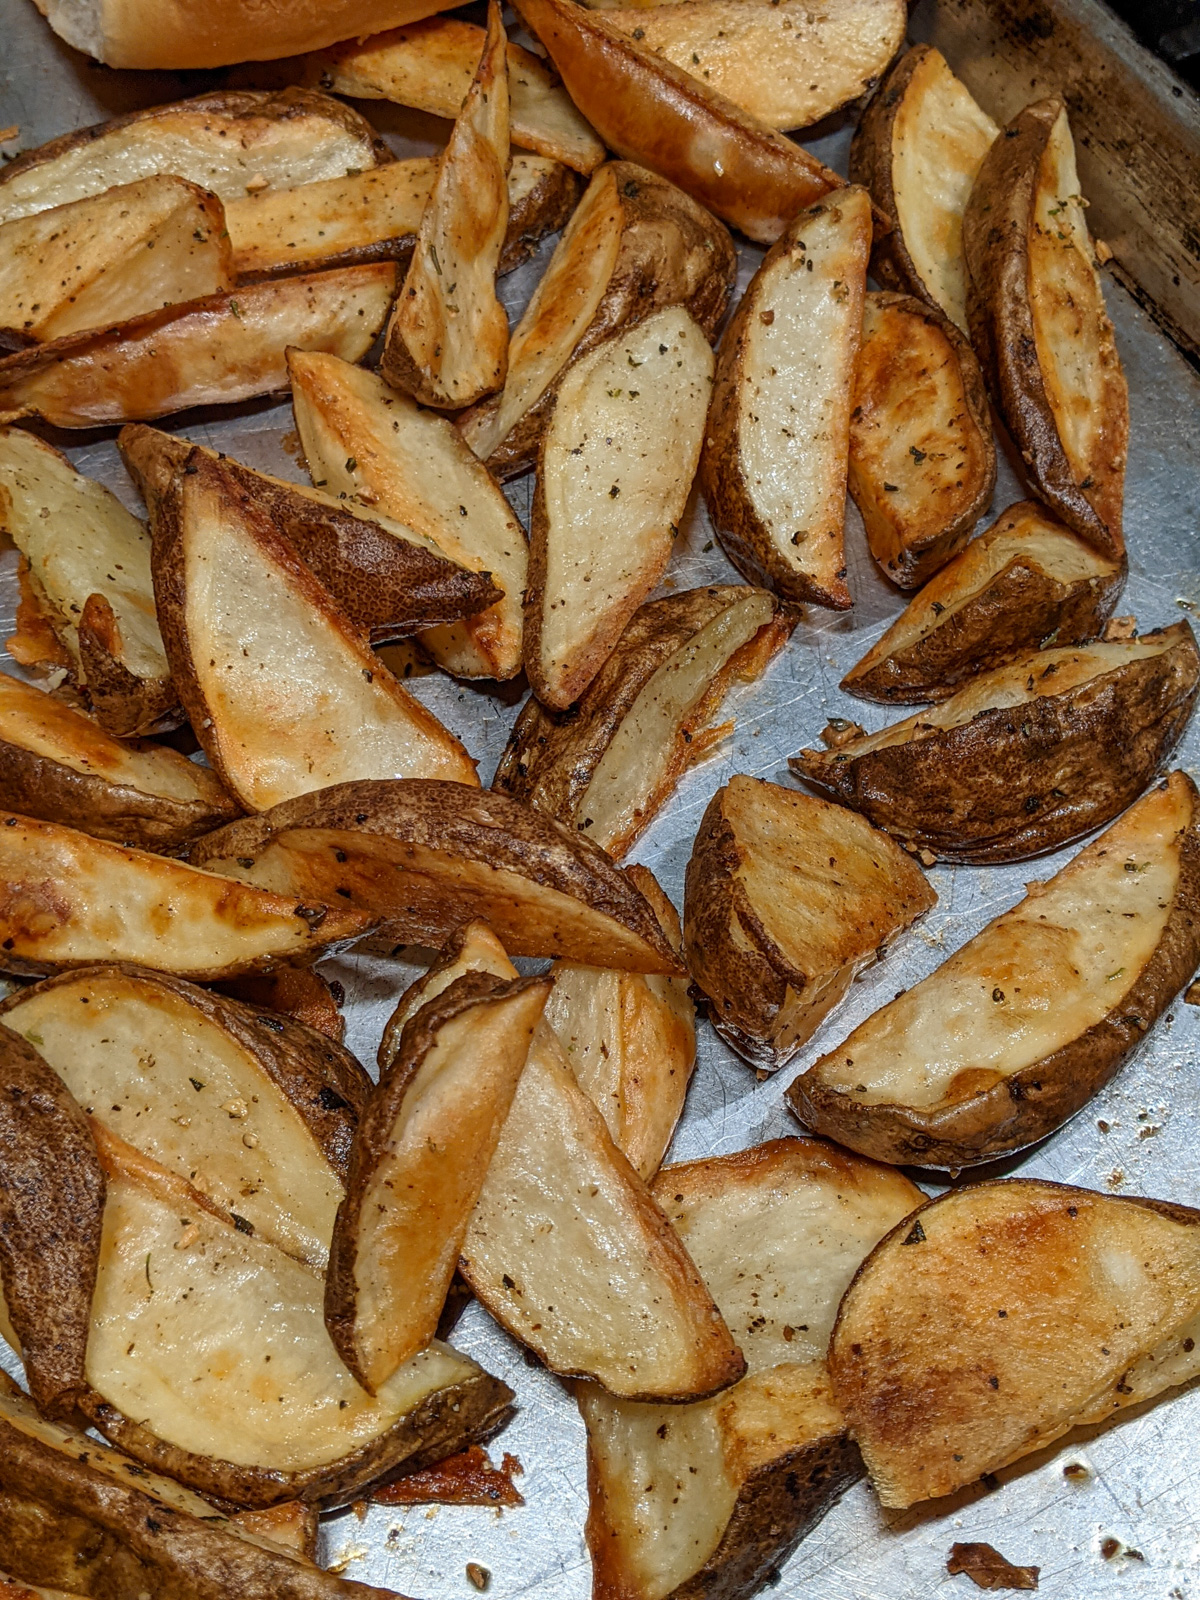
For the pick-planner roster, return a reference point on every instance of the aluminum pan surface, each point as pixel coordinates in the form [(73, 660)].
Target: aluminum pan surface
[(1142, 1487)]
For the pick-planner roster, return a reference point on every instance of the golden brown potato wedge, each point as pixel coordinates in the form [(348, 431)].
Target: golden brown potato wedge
[(51, 1211), (614, 474), (706, 1500), (1027, 581), (447, 341), (428, 1134), (226, 142), (922, 457), (1039, 326), (89, 579), (1017, 1311), (111, 257), (1026, 757), (213, 351), (566, 1248), (76, 1512), (431, 64), (1033, 1016), (291, 1525), (775, 454), (787, 899), (297, 992), (429, 856), (68, 900), (298, 706), (388, 580), (56, 764), (365, 441), (542, 194), (918, 149), (650, 111), (782, 63), (634, 244), (611, 766)]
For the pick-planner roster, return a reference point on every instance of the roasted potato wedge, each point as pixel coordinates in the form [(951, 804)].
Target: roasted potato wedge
[(784, 63), (634, 244), (76, 1512), (922, 457), (88, 578), (111, 257), (56, 764), (225, 142), (447, 341), (1019, 1028), (1024, 582), (786, 901), (68, 900), (431, 64), (1101, 1309), (421, 1156), (429, 856), (366, 442), (918, 149), (387, 578), (297, 992), (213, 351), (650, 111), (566, 1248), (1039, 326), (542, 194), (775, 454), (1026, 757), (296, 707), (611, 766), (291, 1525), (614, 475), (706, 1500)]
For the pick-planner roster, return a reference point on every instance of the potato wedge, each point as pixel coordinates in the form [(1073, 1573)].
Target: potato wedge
[(783, 63), (614, 475), (611, 766), (431, 64), (224, 142), (918, 149), (1022, 1026), (542, 194), (112, 256), (76, 1512), (634, 245), (56, 764), (429, 856), (1039, 326), (291, 1525), (1026, 757), (1101, 1303), (89, 575), (68, 900), (922, 457), (1024, 582), (364, 441), (428, 1134), (566, 1248), (213, 351), (784, 905), (297, 992), (775, 454), (51, 1212), (387, 578), (706, 1500), (447, 341), (650, 111), (289, 709)]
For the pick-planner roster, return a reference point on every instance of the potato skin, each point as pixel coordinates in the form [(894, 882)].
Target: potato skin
[(1006, 786), (543, 211), (121, 702)]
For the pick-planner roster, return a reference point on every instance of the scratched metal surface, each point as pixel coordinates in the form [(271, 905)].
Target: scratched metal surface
[(1142, 1487)]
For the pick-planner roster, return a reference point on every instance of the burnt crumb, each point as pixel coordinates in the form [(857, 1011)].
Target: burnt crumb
[(915, 1235), (988, 1569)]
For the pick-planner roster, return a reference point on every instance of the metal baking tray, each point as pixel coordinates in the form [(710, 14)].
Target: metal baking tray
[(1141, 1135)]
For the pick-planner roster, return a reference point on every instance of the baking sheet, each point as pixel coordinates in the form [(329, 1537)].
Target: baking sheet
[(1139, 1136)]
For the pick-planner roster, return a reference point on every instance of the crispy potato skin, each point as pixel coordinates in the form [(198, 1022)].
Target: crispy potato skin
[(996, 229), (543, 211), (1003, 788), (121, 702), (51, 1217), (300, 993)]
